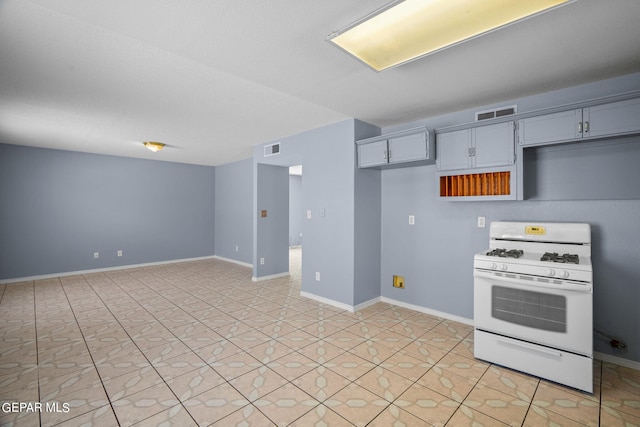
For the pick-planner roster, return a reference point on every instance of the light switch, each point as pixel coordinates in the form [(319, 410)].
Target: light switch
[(481, 222), (309, 214), (412, 220)]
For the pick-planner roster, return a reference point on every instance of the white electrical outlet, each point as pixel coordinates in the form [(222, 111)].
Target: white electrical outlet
[(317, 276), (481, 222), (96, 254), (236, 248), (412, 220), (119, 253), (309, 214), (261, 261)]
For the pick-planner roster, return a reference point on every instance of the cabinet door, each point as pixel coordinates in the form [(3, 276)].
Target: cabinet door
[(408, 148), (493, 145), (452, 149), (550, 128), (616, 118), (372, 154)]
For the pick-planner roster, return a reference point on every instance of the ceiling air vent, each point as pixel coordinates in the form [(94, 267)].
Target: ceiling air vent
[(272, 149), (492, 114)]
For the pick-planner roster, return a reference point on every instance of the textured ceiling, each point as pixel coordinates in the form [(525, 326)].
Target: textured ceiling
[(212, 79)]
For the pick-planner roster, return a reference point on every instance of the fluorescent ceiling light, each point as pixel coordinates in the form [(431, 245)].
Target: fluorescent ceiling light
[(407, 30)]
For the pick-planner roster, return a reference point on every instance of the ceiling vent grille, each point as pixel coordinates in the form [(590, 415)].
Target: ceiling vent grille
[(493, 114), (272, 149)]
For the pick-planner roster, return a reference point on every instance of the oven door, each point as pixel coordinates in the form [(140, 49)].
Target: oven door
[(558, 316)]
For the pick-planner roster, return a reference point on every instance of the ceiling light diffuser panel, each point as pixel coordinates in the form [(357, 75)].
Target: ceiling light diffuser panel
[(410, 29)]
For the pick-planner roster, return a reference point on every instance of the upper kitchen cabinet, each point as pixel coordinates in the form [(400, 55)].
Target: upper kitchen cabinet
[(477, 163), (407, 148), (373, 154), (613, 119), (454, 150), (479, 147), (599, 121)]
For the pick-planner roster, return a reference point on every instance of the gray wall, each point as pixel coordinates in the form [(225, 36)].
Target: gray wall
[(271, 236), (59, 207), (367, 225), (327, 156), (233, 211), (436, 254), (296, 210)]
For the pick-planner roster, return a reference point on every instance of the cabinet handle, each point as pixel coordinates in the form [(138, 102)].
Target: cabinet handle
[(586, 127), (579, 127), (384, 155)]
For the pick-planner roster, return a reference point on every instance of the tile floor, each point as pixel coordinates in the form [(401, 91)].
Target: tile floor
[(199, 343)]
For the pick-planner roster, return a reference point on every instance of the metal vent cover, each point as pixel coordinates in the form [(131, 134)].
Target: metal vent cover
[(271, 149), (499, 112)]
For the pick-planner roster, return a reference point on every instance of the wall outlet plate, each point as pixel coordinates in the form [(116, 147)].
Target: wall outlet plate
[(481, 222)]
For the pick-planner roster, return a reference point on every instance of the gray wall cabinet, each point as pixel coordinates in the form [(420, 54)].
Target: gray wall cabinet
[(408, 148), (373, 154), (479, 147), (598, 121)]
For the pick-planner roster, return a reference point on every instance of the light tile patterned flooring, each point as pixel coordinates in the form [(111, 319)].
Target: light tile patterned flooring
[(199, 343)]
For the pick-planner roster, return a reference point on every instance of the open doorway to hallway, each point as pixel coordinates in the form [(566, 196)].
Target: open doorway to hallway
[(296, 218)]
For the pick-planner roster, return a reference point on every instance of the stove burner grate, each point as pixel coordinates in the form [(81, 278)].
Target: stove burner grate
[(504, 253), (564, 258)]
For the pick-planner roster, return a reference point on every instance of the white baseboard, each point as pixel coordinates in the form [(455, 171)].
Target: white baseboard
[(421, 309), (234, 261), (366, 304), (372, 301), (328, 301), (340, 305), (100, 270), (617, 360), (269, 277)]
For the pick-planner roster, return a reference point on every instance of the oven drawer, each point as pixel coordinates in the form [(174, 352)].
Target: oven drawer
[(555, 365)]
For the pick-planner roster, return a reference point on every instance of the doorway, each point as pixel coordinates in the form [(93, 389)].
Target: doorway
[(296, 218)]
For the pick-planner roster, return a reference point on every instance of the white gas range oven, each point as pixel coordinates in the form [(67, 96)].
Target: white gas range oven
[(533, 301)]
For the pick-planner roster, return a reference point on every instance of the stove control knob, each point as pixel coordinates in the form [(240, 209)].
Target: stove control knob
[(494, 266), (564, 274), (551, 272), (504, 267)]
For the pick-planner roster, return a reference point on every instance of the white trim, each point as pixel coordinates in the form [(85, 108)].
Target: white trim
[(627, 363), (340, 305), (328, 301), (428, 311), (100, 270), (269, 277), (234, 261), (366, 304)]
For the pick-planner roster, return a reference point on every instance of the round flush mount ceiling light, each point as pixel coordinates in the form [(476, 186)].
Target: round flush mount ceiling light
[(154, 146)]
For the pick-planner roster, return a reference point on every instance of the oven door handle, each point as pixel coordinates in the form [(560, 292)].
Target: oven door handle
[(531, 347), (586, 288)]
